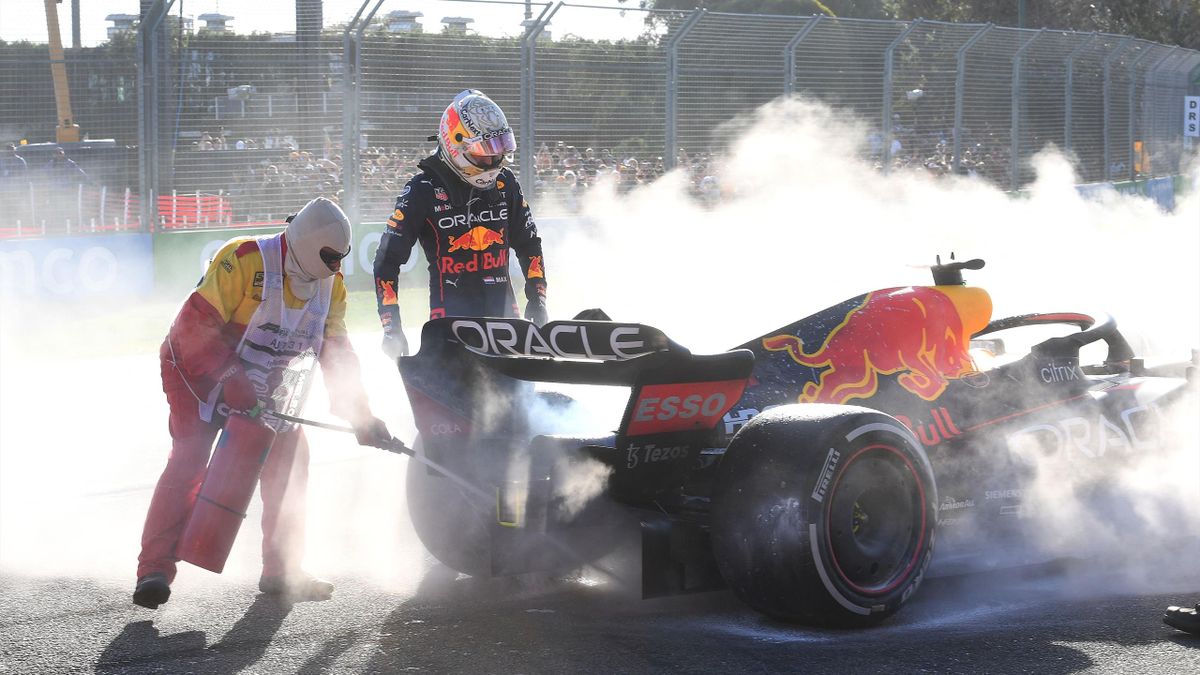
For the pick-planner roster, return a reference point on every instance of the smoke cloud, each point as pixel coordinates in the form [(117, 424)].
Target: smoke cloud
[(804, 223)]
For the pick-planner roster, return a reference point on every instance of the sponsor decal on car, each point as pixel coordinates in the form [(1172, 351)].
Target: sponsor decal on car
[(1055, 373), (444, 429), (952, 504), (663, 408), (826, 475), (1091, 437), (650, 454), (736, 419), (991, 495), (562, 339), (942, 428), (925, 346)]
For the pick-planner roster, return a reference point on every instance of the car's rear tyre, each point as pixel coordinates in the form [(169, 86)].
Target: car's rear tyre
[(824, 514), (458, 528), (451, 524)]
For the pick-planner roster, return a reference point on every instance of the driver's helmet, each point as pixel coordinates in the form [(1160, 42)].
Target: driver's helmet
[(474, 138)]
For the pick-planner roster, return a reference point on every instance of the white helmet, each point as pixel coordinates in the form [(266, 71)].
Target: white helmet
[(474, 138)]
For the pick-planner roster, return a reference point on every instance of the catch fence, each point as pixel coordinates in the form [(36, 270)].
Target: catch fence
[(221, 128)]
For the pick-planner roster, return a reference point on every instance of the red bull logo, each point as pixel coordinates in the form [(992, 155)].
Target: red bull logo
[(917, 333), (535, 268), (387, 293), (477, 238)]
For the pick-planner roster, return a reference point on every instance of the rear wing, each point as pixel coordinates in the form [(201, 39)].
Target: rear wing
[(673, 390)]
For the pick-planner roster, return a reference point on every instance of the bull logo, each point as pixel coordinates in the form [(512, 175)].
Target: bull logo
[(387, 293), (477, 238), (914, 332), (535, 268)]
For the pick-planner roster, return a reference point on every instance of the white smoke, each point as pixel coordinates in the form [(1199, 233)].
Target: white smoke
[(805, 224)]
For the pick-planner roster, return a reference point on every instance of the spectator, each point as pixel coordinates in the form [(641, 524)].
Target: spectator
[(63, 172)]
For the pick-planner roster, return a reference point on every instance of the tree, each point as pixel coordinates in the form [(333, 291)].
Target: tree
[(863, 9), (1172, 22)]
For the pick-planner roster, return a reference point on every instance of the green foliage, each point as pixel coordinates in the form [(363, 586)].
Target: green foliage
[(1173, 22)]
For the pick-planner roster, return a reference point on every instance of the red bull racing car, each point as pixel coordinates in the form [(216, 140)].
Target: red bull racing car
[(811, 470)]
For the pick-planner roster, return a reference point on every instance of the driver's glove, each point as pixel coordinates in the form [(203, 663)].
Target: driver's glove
[(395, 344)]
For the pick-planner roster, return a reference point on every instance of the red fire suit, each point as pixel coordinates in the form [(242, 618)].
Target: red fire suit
[(201, 342)]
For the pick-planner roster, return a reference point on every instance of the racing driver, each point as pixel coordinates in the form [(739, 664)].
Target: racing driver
[(467, 210), (249, 332)]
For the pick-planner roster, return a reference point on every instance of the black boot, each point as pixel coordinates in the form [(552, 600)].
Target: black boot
[(1186, 619), (151, 591), (299, 587)]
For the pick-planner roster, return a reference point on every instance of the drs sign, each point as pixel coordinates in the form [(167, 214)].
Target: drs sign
[(1191, 115)]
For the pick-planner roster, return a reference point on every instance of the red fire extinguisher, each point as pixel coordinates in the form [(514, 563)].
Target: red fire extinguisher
[(225, 494)]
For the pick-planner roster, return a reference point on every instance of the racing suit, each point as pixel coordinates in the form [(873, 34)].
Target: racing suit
[(466, 234), (200, 344)]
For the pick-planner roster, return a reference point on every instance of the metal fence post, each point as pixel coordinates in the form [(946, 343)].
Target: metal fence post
[(147, 49), (960, 85), (888, 58), (1015, 124), (1107, 87), (528, 100), (1070, 87), (1132, 131), (672, 102), (789, 54), (1153, 87), (351, 123)]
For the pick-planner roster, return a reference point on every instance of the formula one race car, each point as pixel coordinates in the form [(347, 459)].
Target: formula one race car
[(809, 469)]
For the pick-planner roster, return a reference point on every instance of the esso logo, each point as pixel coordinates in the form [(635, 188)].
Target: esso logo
[(663, 408)]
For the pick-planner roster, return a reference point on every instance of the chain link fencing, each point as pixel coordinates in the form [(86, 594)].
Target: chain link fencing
[(211, 128)]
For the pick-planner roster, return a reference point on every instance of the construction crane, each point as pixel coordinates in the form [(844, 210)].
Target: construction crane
[(66, 131)]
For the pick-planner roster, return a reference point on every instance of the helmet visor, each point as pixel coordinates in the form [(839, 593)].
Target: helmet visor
[(490, 153)]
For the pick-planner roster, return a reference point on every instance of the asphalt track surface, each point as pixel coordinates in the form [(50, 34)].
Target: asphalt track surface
[(1002, 623), (73, 492)]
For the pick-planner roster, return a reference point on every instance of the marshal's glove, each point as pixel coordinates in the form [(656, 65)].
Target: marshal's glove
[(371, 431), (237, 390)]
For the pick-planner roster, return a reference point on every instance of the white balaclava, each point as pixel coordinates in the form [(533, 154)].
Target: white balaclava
[(320, 224)]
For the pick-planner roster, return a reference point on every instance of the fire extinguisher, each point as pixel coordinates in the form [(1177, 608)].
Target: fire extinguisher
[(225, 494)]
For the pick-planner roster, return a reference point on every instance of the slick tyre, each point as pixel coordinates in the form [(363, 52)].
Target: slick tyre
[(451, 526), (824, 514)]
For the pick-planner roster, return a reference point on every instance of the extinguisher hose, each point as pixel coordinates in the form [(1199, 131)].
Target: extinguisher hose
[(393, 445)]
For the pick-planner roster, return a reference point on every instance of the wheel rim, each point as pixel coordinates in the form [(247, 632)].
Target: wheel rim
[(875, 519)]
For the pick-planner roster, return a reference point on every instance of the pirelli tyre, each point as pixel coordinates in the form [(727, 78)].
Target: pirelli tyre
[(451, 525), (824, 514), (461, 531)]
